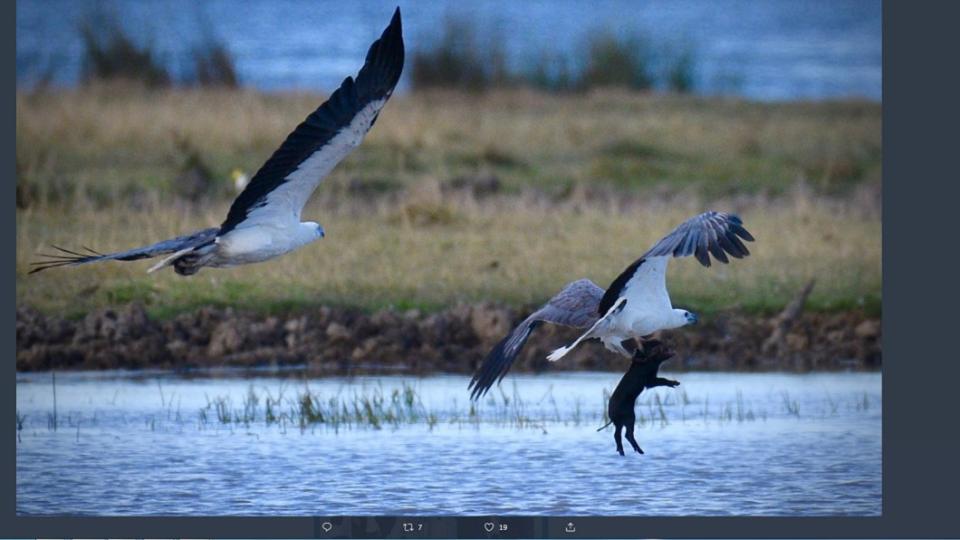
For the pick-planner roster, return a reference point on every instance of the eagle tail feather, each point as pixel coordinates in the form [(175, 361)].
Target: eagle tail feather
[(170, 259)]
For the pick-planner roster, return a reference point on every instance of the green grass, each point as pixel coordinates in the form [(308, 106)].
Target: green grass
[(588, 183), (121, 137), (504, 251)]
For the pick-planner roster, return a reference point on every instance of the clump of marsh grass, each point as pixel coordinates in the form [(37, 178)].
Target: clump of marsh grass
[(459, 60), (680, 72), (661, 414), (214, 66), (463, 59), (863, 403), (52, 417), (832, 404), (309, 410), (373, 408), (21, 420), (111, 54), (221, 407), (616, 61), (790, 405)]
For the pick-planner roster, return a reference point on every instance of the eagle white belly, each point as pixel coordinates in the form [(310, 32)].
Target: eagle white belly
[(245, 245), (640, 322)]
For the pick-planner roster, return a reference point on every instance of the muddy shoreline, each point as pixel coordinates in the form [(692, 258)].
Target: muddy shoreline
[(345, 341)]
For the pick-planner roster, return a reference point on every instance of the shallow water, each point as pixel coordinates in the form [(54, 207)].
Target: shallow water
[(720, 444), (764, 50)]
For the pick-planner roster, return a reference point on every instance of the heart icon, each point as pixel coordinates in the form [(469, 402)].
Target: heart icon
[(488, 526), (326, 526)]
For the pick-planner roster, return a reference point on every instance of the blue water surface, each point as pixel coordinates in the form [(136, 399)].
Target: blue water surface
[(748, 444), (768, 50)]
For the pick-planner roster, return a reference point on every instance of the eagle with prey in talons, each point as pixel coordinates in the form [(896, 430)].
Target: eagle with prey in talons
[(634, 306)]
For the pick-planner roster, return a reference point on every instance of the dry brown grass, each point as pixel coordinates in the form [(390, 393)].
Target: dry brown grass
[(109, 136), (515, 251), (805, 178)]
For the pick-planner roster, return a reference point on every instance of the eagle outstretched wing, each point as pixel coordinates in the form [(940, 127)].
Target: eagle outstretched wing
[(710, 233), (575, 305), (282, 186)]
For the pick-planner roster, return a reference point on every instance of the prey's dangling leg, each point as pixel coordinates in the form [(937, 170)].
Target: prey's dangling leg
[(633, 442)]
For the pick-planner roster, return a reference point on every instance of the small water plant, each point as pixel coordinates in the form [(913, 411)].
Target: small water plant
[(372, 406)]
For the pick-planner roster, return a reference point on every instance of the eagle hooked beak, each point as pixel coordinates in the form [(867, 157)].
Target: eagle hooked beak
[(692, 318)]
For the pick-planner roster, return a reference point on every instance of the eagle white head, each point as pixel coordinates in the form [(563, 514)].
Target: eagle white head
[(313, 230), (682, 317), (307, 232)]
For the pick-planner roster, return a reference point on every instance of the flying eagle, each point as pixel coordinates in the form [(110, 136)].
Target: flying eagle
[(264, 220), (634, 306)]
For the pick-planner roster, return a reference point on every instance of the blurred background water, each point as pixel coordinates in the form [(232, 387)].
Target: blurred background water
[(767, 50)]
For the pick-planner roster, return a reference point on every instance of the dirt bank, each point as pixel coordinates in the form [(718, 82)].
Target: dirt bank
[(342, 341)]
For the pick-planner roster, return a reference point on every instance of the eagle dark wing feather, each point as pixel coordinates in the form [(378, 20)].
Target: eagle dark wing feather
[(498, 361), (616, 288), (375, 81), (711, 233), (575, 306)]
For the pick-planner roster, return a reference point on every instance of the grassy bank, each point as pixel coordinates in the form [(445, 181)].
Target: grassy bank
[(583, 184), (109, 142)]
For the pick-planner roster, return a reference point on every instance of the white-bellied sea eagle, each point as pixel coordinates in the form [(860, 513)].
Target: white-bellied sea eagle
[(634, 306), (264, 220)]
